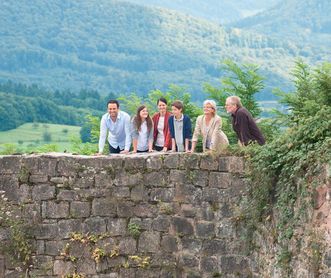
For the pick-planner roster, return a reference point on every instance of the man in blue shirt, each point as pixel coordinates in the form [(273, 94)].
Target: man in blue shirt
[(117, 124)]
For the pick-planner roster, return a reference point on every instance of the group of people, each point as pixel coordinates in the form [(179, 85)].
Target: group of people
[(167, 131)]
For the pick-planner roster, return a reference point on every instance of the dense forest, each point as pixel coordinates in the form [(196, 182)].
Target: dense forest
[(20, 104), (120, 47)]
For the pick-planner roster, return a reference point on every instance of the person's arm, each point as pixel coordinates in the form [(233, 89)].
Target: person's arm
[(188, 133), (103, 134), (127, 128), (151, 138), (197, 132), (134, 135), (173, 145), (172, 133)]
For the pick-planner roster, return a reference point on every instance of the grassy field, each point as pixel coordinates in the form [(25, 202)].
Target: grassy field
[(31, 136)]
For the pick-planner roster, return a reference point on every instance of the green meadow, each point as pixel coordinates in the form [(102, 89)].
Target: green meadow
[(32, 137)]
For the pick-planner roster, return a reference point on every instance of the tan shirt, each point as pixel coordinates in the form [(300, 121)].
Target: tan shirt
[(213, 133)]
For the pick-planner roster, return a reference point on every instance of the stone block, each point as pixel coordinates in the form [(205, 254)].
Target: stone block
[(232, 164), (128, 246), (220, 180), (86, 266), (209, 162), (209, 264), (10, 164), (198, 177), (154, 162), (24, 193), (145, 211), (136, 162), (125, 209), (189, 161), (212, 194), (83, 182), (95, 225), (103, 180), (232, 264), (54, 248), (139, 193), (116, 226), (161, 223), (58, 180), (214, 247), (38, 178), (160, 178), (46, 231), (178, 176), (41, 164), (80, 209), (104, 207), (43, 192), (149, 242), (162, 194), (69, 226), (128, 179), (187, 193), (171, 161), (188, 210), (182, 226), (56, 210), (189, 261), (205, 229), (121, 192), (206, 212), (67, 195), (9, 184), (169, 244)]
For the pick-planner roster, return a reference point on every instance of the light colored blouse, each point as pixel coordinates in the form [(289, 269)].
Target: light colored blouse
[(213, 138)]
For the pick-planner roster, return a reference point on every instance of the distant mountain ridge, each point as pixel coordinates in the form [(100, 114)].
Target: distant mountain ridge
[(306, 21), (113, 46)]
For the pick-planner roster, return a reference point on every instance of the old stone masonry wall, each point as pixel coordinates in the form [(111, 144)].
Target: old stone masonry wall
[(127, 216)]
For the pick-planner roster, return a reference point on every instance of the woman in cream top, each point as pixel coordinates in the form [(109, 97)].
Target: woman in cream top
[(209, 126)]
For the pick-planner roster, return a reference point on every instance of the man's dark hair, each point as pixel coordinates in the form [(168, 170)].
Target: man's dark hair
[(162, 99), (114, 101)]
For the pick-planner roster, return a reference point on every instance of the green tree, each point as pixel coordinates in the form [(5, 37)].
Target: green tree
[(243, 81)]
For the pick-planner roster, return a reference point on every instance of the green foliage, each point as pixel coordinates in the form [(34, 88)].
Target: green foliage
[(245, 82), (284, 172), (18, 246), (79, 147), (134, 230)]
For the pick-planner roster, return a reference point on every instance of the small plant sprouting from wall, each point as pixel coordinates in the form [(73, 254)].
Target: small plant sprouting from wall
[(134, 230), (18, 246), (142, 262)]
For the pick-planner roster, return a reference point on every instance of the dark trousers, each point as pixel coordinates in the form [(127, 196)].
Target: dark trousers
[(158, 149), (113, 150)]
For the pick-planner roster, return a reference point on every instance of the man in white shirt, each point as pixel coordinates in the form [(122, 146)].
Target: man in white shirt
[(117, 124)]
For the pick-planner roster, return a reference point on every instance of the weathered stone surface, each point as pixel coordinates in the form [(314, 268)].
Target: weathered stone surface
[(209, 264), (184, 205), (149, 242), (220, 180), (69, 226), (182, 226), (128, 246), (169, 244), (63, 268), (171, 161), (162, 194), (187, 193), (161, 223), (214, 247), (205, 229), (96, 225), (56, 210), (67, 195), (117, 226), (80, 209), (38, 178), (209, 162), (125, 209), (104, 207), (43, 192)]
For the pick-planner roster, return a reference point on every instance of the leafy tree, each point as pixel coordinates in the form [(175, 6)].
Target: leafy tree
[(242, 81)]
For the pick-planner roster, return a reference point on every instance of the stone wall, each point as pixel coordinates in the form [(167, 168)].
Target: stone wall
[(147, 215)]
